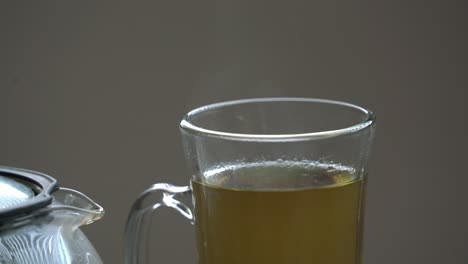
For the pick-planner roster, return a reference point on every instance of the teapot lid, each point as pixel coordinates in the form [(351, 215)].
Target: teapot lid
[(23, 191)]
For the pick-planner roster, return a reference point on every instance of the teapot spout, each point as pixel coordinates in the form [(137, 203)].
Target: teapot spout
[(78, 204)]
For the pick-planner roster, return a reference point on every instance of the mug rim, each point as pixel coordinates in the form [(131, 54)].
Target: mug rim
[(188, 126)]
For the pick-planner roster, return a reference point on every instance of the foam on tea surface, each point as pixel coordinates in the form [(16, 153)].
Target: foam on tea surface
[(279, 175)]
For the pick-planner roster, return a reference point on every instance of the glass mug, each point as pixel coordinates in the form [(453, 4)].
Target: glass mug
[(274, 180)]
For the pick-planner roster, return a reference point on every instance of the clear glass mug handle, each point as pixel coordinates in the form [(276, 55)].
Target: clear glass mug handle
[(136, 230)]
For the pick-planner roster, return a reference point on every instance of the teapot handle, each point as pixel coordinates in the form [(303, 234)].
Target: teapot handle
[(136, 235)]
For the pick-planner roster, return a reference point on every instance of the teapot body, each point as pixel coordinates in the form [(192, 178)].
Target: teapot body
[(50, 239), (47, 230)]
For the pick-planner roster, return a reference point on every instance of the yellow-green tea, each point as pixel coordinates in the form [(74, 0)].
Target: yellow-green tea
[(279, 213)]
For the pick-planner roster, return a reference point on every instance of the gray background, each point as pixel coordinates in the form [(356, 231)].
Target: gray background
[(92, 92)]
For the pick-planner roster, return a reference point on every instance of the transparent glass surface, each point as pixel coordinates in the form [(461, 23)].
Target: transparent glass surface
[(51, 235), (274, 180)]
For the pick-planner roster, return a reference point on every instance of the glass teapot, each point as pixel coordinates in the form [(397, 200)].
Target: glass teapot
[(39, 222)]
